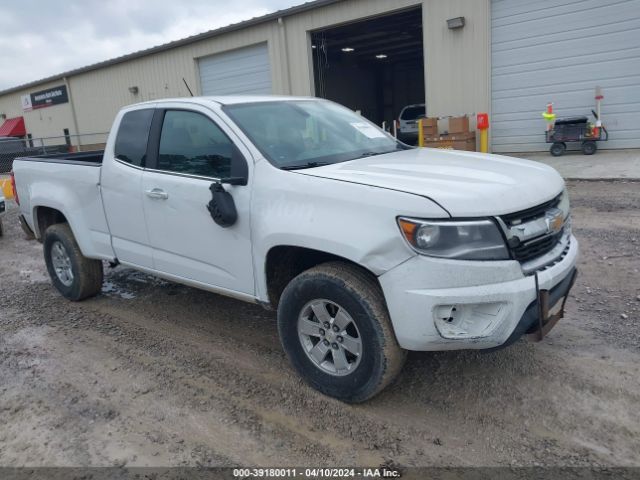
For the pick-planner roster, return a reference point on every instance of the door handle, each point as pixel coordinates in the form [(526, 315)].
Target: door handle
[(157, 193)]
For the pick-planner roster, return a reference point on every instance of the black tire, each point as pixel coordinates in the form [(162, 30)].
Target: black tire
[(589, 147), (87, 273), (558, 148), (356, 291)]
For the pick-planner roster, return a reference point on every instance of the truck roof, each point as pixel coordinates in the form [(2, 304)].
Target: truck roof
[(228, 99)]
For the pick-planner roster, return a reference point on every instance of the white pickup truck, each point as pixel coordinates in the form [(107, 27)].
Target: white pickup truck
[(366, 247)]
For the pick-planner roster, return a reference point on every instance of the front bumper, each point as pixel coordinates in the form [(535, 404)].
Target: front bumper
[(490, 299)]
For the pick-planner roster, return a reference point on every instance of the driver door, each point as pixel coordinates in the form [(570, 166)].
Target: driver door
[(195, 150)]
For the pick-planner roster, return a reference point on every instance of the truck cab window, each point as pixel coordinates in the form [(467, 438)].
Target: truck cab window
[(133, 134), (191, 143)]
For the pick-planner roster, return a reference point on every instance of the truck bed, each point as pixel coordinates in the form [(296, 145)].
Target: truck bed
[(91, 159), (70, 184)]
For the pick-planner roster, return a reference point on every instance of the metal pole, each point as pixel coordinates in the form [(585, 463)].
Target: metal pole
[(484, 140), (73, 110), (421, 132)]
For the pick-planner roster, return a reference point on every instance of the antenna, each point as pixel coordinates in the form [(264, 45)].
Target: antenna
[(187, 85)]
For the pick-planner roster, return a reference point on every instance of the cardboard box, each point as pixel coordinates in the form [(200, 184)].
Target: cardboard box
[(462, 136), (429, 126), (430, 122), (458, 124), (465, 141), (430, 131), (467, 145)]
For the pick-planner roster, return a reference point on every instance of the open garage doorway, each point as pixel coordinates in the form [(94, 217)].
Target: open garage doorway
[(375, 66)]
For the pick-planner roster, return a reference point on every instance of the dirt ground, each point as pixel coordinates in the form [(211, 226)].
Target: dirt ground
[(156, 374)]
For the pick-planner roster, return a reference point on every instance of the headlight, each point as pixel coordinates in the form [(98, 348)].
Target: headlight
[(466, 240)]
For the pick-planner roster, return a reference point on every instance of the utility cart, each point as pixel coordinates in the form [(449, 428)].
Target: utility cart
[(575, 129)]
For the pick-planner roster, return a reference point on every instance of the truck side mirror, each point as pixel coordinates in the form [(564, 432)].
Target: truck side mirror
[(222, 207), (239, 168)]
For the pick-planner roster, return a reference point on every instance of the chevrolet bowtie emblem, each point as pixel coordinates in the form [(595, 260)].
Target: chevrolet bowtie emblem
[(555, 220)]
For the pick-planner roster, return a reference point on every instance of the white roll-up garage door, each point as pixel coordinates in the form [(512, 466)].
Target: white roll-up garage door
[(559, 51), (242, 71)]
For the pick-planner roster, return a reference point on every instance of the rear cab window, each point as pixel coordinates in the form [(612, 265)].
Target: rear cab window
[(133, 136)]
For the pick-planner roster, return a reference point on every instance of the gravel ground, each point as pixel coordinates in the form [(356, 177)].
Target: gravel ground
[(152, 373)]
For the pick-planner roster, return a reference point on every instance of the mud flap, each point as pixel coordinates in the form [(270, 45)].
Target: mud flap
[(549, 315)]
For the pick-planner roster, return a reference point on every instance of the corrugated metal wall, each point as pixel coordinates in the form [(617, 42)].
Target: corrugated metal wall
[(550, 51)]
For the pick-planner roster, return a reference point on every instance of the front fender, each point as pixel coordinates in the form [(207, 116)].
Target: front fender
[(349, 220)]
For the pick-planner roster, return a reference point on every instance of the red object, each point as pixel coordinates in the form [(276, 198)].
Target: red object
[(13, 127), (13, 187), (482, 121)]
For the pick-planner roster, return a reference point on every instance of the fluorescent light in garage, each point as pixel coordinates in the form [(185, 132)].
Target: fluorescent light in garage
[(381, 56), (347, 49)]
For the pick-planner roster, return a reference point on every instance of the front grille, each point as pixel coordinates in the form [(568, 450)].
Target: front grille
[(529, 214), (532, 248), (535, 248)]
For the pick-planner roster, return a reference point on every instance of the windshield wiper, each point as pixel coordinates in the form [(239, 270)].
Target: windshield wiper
[(304, 165)]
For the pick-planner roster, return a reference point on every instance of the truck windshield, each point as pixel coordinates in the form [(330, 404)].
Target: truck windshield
[(309, 133)]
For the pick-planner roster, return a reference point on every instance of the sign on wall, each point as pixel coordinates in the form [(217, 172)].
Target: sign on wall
[(45, 98)]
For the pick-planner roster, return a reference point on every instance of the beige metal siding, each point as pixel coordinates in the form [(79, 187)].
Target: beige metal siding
[(457, 69), (99, 94), (42, 122)]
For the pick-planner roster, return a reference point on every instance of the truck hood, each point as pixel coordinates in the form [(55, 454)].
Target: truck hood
[(466, 184)]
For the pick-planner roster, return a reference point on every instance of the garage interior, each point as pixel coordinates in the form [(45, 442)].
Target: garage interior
[(375, 66)]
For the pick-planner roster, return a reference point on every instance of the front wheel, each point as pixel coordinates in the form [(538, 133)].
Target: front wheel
[(589, 147), (75, 276), (335, 328)]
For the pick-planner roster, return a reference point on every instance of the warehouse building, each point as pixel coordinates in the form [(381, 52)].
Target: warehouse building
[(505, 57)]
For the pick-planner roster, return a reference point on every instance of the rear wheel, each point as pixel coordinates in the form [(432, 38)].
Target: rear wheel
[(75, 276), (335, 328), (589, 147), (558, 149)]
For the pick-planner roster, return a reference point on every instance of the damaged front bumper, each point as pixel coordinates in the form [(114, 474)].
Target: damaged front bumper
[(438, 304)]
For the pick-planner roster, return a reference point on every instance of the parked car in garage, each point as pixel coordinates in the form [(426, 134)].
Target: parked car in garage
[(366, 247), (408, 122)]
